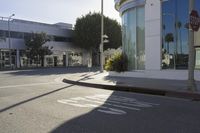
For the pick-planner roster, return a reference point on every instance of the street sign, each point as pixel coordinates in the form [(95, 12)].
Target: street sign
[(194, 20)]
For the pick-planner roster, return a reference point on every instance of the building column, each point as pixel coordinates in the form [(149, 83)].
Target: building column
[(67, 59), (18, 58), (153, 33), (45, 61)]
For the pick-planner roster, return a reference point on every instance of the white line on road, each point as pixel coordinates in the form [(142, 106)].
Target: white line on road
[(108, 104), (26, 85)]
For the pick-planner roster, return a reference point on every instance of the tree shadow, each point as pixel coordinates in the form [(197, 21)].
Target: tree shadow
[(33, 98), (165, 84), (122, 112), (51, 71), (116, 113)]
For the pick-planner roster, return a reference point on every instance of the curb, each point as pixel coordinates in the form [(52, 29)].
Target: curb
[(151, 91)]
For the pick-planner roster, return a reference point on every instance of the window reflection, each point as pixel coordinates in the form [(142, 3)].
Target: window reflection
[(175, 34), (133, 37)]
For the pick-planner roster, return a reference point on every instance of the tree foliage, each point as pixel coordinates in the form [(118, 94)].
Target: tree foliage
[(35, 45), (118, 63), (88, 32), (169, 38)]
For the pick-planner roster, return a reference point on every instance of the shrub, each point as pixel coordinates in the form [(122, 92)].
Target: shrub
[(117, 63)]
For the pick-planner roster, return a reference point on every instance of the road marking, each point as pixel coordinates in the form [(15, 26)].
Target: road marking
[(116, 105), (59, 79), (105, 103), (26, 85), (111, 111)]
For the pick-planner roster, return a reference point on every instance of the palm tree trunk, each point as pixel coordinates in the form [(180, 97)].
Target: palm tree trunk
[(181, 42), (168, 48)]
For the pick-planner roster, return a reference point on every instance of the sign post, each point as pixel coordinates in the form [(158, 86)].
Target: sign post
[(194, 20), (194, 26)]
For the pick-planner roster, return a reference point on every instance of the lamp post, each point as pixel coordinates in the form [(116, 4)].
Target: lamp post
[(102, 39), (102, 32), (191, 81), (9, 42)]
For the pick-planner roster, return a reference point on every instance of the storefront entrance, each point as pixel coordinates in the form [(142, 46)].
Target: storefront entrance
[(5, 59)]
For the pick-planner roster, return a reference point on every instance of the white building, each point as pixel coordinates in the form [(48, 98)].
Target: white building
[(155, 38), (64, 52)]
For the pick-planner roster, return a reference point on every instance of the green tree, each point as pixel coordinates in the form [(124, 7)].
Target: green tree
[(169, 38), (35, 45), (122, 1), (87, 32)]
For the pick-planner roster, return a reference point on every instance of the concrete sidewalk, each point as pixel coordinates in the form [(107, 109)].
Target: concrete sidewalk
[(173, 88)]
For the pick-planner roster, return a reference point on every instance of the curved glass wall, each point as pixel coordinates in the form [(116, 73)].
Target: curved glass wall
[(175, 24), (133, 37)]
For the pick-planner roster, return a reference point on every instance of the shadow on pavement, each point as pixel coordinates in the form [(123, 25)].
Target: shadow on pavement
[(126, 113), (105, 118), (33, 98), (89, 76), (50, 71), (165, 84)]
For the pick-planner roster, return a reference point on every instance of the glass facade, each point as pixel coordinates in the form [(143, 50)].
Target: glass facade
[(4, 59), (175, 33), (57, 59), (24, 61), (21, 35), (175, 23), (133, 37)]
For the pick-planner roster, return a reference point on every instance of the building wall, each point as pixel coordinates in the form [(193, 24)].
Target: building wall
[(29, 26), (163, 74), (153, 31), (153, 35), (59, 48), (153, 40)]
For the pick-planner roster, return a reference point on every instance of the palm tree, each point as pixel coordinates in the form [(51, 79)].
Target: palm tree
[(169, 37), (164, 27), (179, 25)]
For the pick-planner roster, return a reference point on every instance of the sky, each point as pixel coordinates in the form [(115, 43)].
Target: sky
[(54, 11)]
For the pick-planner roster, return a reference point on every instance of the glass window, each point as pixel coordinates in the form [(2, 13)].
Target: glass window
[(15, 34), (140, 39), (175, 34), (62, 39), (27, 35), (2, 33), (133, 37)]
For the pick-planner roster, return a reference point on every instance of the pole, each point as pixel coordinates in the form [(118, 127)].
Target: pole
[(176, 35), (102, 32), (191, 64), (9, 42)]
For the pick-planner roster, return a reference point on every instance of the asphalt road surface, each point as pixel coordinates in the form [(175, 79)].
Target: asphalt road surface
[(36, 101)]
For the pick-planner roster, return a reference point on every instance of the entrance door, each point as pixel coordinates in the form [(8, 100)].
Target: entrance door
[(4, 59), (1, 60), (55, 60), (13, 61), (64, 60)]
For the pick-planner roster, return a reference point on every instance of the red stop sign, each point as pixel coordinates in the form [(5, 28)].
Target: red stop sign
[(194, 20)]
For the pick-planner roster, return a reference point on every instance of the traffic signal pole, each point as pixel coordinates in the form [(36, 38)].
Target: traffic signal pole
[(191, 63)]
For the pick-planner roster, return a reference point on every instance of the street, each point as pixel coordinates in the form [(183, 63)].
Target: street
[(37, 101)]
